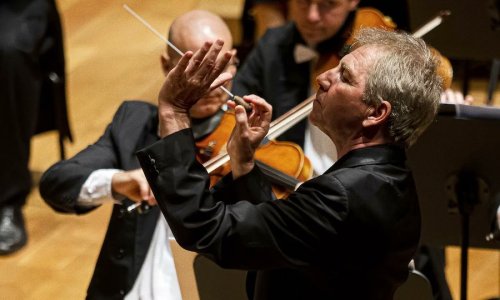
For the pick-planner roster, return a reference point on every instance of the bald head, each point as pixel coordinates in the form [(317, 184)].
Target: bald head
[(190, 30)]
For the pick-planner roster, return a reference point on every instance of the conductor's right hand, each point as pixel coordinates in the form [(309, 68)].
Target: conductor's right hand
[(133, 185), (248, 134), (194, 76)]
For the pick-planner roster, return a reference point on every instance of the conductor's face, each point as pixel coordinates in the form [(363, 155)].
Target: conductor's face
[(339, 109), (319, 20)]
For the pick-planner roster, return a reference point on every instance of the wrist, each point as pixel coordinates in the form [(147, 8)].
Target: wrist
[(172, 119), (242, 169)]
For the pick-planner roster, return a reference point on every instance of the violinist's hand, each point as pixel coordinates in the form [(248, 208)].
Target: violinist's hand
[(133, 185), (193, 76), (248, 134), (455, 97)]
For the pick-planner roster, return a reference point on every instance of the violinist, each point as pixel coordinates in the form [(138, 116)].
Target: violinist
[(273, 13), (346, 234), (135, 261), (281, 68)]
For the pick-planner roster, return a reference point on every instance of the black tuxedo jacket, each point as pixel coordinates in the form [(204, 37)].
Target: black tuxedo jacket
[(128, 236), (347, 234)]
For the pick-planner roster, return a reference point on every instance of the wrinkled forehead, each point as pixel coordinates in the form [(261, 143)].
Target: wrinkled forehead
[(363, 56)]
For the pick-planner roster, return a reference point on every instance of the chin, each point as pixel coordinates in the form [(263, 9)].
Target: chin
[(312, 120)]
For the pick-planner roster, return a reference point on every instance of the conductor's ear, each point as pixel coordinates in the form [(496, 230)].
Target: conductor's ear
[(377, 115)]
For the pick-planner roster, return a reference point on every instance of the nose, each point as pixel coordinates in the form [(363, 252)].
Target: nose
[(323, 80), (313, 14), (321, 77)]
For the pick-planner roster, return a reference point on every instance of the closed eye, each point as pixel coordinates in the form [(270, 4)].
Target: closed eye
[(345, 76)]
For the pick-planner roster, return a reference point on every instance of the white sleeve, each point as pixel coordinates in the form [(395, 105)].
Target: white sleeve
[(97, 188)]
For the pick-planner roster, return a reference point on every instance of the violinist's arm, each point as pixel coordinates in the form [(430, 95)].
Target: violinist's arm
[(248, 134)]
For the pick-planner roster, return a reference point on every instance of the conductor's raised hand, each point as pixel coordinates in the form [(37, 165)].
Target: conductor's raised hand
[(193, 76), (248, 134)]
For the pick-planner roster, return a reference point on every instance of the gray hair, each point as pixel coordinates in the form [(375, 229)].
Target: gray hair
[(405, 75)]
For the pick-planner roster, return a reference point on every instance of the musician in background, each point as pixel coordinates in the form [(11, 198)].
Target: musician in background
[(30, 48), (261, 15), (135, 261), (281, 68)]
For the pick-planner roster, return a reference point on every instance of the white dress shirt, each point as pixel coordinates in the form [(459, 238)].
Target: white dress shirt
[(157, 278), (319, 148)]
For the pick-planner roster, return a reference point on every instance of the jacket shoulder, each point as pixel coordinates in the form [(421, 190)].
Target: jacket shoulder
[(278, 35), (136, 107), (135, 113)]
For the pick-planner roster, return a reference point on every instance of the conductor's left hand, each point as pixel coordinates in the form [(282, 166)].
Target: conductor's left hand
[(248, 133)]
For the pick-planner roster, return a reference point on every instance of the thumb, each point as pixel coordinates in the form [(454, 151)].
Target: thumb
[(151, 198), (241, 118), (144, 190), (221, 80)]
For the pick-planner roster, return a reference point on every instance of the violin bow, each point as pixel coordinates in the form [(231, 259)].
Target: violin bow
[(431, 24)]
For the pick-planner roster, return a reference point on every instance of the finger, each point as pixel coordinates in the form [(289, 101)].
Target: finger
[(151, 198), (221, 80), (459, 98), (220, 66), (450, 96), (182, 64), (241, 120), (144, 190), (209, 62), (198, 58), (231, 104), (262, 108), (444, 99), (469, 99)]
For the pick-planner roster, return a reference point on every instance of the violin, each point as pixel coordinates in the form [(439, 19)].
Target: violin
[(283, 163), (371, 17)]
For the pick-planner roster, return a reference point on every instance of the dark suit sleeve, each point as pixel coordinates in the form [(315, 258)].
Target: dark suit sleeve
[(243, 234), (60, 185)]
